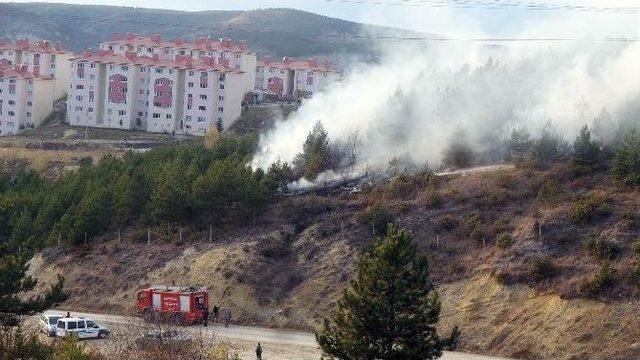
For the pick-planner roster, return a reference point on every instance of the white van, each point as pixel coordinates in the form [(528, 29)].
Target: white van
[(80, 327), (48, 323)]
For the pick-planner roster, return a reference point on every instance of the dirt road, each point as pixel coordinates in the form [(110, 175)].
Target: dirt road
[(278, 344)]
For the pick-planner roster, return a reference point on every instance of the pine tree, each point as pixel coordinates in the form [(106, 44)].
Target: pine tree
[(315, 153), (626, 164), (390, 310), (585, 152), (14, 282)]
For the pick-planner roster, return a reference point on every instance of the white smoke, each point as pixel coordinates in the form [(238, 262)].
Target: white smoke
[(422, 94)]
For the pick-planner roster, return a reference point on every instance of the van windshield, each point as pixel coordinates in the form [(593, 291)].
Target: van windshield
[(54, 319)]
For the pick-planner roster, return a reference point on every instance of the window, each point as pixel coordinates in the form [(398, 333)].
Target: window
[(157, 93), (191, 73), (79, 98), (156, 116), (221, 86), (124, 68), (166, 51), (220, 109), (221, 98), (190, 85), (92, 77), (203, 97), (28, 114), (109, 111), (158, 71), (158, 82), (90, 109), (140, 113), (91, 324), (122, 112), (238, 56), (168, 116), (201, 119), (189, 96), (29, 103), (110, 67), (202, 108), (11, 102), (93, 66), (187, 118), (79, 87), (81, 65), (222, 77), (78, 108), (171, 71), (142, 69)]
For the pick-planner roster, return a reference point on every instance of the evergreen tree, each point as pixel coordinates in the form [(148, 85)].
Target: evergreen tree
[(314, 158), (626, 164), (518, 146), (390, 310), (585, 152), (550, 147), (14, 282)]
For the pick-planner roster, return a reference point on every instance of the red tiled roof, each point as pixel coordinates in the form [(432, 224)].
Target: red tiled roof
[(293, 64), (130, 58), (18, 72), (39, 46), (200, 44)]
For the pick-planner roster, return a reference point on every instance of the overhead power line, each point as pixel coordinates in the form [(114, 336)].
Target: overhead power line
[(493, 5), (417, 38)]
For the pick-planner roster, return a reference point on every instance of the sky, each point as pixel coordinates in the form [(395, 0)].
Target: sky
[(464, 18)]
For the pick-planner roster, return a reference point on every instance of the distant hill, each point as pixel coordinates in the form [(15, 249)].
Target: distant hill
[(276, 32)]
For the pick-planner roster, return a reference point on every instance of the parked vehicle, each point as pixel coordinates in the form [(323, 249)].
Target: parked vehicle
[(81, 327), (162, 338), (49, 323), (182, 305)]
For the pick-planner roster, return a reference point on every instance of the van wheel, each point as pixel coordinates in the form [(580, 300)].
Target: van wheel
[(101, 334)]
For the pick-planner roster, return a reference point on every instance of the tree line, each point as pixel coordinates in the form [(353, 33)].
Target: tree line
[(171, 184)]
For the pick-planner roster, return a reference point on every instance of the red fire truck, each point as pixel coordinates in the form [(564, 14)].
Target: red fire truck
[(184, 305)]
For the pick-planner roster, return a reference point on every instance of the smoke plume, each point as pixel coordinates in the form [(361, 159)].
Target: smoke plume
[(422, 95)]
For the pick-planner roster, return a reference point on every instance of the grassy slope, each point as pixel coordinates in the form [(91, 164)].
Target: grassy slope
[(287, 269)]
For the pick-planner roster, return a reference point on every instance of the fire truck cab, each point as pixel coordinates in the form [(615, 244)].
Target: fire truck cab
[(185, 305)]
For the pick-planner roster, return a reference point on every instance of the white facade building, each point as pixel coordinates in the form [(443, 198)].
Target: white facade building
[(128, 91), (292, 79), (25, 99)]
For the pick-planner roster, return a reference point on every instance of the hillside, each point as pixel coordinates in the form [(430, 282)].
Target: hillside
[(276, 32), (520, 270)]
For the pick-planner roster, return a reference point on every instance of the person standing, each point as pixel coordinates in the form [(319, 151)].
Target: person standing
[(259, 352), (205, 316), (216, 310), (227, 317)]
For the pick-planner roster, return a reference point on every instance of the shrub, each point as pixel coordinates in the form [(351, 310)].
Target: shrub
[(548, 192), (446, 223), (300, 209), (635, 247), (601, 249), (539, 268), (583, 212), (593, 287), (504, 241), (431, 198), (399, 186), (377, 217), (634, 277)]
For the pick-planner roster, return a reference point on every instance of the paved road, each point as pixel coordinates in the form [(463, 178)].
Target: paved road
[(254, 334)]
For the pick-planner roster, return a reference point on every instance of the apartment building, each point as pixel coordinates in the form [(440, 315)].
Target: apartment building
[(26, 99), (235, 56), (177, 94), (290, 78), (41, 58)]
